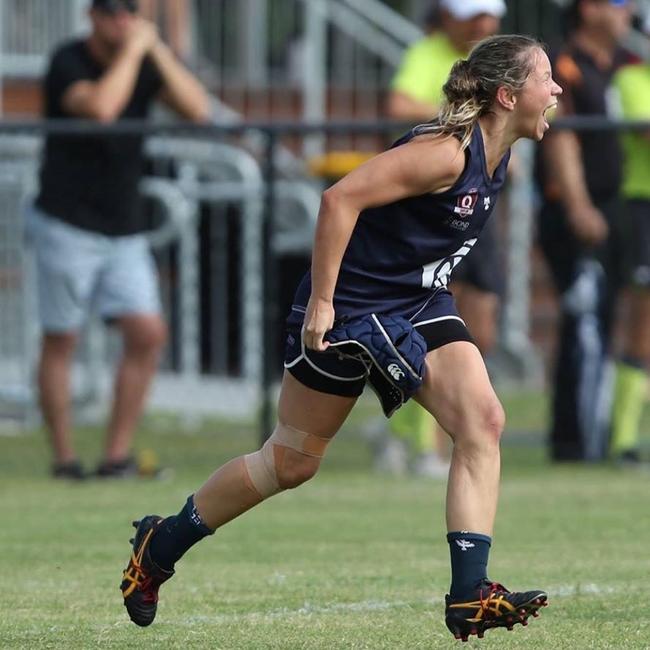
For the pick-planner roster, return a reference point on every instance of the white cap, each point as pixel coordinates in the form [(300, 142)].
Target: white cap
[(466, 9)]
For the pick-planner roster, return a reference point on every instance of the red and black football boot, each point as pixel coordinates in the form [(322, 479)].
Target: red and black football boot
[(491, 605), (143, 577)]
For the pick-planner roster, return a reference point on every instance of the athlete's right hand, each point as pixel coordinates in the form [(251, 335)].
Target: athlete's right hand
[(143, 35), (319, 319), (588, 224)]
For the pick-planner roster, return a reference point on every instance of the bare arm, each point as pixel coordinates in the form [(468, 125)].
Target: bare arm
[(105, 98), (563, 159), (401, 106), (410, 170), (182, 91)]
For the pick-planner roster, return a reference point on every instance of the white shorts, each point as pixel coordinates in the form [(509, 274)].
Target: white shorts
[(80, 271)]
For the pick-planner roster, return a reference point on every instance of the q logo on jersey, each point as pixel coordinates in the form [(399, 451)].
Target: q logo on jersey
[(465, 204)]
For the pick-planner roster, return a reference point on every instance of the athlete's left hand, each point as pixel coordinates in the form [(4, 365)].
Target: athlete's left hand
[(319, 319)]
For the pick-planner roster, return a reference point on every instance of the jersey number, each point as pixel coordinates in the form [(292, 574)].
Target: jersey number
[(437, 274)]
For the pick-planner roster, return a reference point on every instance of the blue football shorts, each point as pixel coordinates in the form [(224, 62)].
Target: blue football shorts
[(328, 372)]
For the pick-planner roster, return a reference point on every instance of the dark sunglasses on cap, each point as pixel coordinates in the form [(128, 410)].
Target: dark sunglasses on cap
[(115, 6)]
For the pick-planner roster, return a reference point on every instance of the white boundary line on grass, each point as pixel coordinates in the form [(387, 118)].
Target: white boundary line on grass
[(309, 609)]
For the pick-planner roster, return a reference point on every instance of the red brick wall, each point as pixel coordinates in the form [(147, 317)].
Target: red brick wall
[(21, 98)]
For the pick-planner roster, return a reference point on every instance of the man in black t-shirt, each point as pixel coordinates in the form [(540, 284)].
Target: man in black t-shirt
[(580, 228), (86, 224)]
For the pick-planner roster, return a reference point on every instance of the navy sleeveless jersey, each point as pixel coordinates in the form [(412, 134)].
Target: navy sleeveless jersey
[(402, 253)]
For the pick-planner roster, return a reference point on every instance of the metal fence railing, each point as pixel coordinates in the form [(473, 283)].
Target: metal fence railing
[(206, 201)]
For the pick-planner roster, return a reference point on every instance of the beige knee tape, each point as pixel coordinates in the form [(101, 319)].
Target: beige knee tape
[(262, 465)]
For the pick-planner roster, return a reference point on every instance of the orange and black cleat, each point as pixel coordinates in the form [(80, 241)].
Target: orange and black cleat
[(491, 606), (142, 577)]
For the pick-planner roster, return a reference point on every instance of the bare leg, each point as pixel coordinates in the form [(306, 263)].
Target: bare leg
[(227, 493), (479, 309), (144, 336), (458, 393), (54, 391), (441, 442)]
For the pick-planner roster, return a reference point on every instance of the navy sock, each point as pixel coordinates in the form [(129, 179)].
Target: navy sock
[(177, 534), (469, 558)]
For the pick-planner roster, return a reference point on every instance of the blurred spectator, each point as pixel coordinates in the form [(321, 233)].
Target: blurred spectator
[(456, 25), (86, 225), (579, 228), (633, 85), (174, 20), (413, 443)]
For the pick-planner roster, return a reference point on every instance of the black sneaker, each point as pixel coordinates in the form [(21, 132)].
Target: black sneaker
[(126, 468), (144, 467), (142, 577), (71, 470), (492, 605), (631, 458)]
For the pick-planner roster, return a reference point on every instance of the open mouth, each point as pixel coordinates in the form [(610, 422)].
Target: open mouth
[(545, 113)]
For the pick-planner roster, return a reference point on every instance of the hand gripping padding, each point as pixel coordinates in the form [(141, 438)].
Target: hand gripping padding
[(392, 350)]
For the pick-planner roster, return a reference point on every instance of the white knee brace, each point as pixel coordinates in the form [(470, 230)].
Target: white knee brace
[(262, 466)]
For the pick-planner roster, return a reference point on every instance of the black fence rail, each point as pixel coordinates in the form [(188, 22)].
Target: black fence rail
[(267, 145)]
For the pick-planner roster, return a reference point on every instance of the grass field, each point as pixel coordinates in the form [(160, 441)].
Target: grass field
[(351, 560)]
